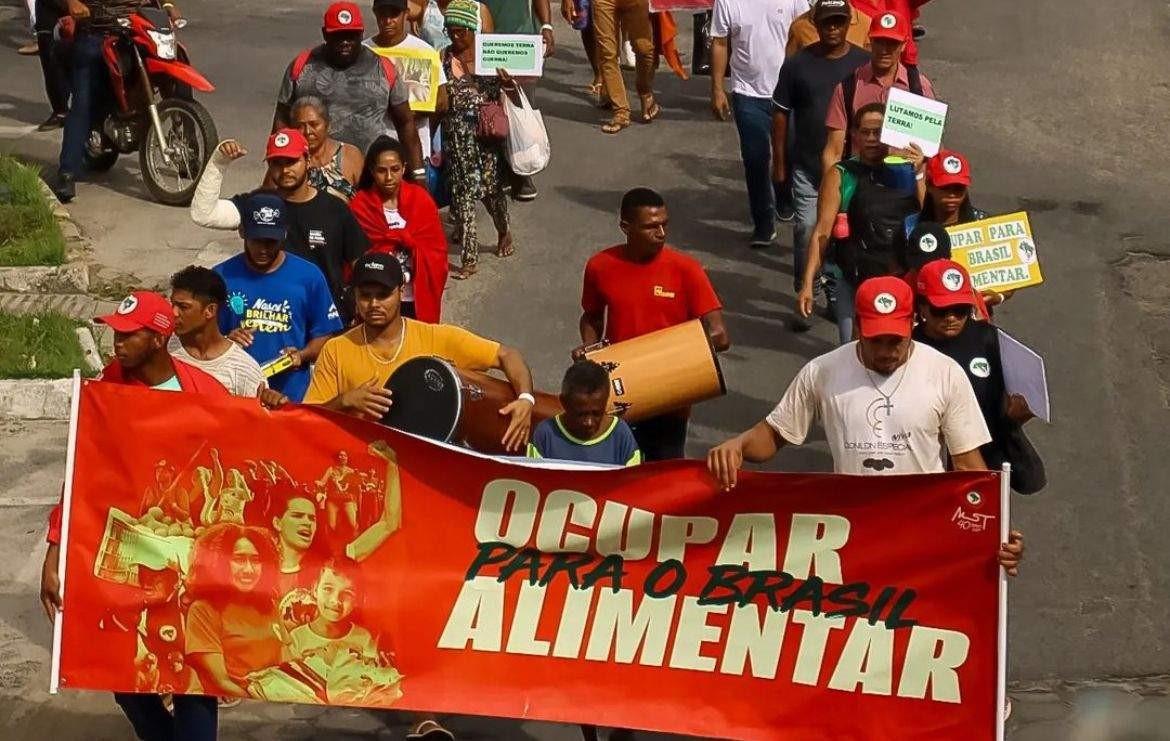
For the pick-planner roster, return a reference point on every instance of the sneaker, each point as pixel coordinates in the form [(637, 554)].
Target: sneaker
[(28, 50), (55, 121), (785, 214), (919, 31), (799, 324), (525, 189), (760, 242), (65, 189)]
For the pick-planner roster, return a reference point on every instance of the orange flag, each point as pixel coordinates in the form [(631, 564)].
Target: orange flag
[(665, 31)]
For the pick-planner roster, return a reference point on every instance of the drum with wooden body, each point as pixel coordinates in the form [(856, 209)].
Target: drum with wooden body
[(434, 399), (660, 372)]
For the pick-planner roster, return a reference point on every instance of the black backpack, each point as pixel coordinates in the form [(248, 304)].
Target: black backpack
[(877, 227)]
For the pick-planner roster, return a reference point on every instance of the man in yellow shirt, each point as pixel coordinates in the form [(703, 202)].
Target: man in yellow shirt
[(352, 369)]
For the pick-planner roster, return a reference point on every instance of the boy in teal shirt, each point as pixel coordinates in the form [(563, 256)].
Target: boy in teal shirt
[(584, 432)]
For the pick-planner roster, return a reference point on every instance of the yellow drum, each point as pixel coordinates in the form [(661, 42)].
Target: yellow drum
[(660, 372)]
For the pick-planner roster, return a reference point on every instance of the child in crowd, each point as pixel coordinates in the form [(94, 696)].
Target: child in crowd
[(584, 432)]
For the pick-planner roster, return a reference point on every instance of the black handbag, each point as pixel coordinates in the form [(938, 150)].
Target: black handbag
[(1028, 475)]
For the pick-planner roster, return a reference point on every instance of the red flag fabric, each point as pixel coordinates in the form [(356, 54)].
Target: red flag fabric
[(212, 546)]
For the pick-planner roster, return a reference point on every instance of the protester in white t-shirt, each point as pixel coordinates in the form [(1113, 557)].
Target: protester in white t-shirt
[(889, 405), (197, 295), (751, 36), (392, 19)]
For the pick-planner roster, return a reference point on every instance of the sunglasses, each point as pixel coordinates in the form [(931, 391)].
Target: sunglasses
[(956, 312)]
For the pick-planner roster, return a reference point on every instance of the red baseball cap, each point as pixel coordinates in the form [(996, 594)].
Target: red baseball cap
[(884, 306), (890, 25), (948, 168), (343, 17), (287, 143), (944, 283), (142, 310)]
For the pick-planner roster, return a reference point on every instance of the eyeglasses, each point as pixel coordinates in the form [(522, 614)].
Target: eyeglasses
[(959, 311), (454, 31)]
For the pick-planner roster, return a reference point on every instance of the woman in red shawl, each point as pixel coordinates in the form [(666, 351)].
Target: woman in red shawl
[(401, 219)]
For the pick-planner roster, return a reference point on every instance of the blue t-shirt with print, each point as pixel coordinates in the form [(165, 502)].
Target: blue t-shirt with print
[(285, 308)]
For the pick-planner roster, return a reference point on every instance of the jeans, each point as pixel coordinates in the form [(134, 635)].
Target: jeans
[(753, 121), (87, 77), (196, 717), (662, 438), (841, 292), (804, 203), (633, 16)]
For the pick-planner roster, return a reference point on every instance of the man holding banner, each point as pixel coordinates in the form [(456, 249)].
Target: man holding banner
[(142, 324), (889, 405)]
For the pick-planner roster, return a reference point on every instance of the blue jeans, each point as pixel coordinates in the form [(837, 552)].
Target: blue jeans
[(88, 83), (196, 717), (804, 203), (840, 293), (753, 121)]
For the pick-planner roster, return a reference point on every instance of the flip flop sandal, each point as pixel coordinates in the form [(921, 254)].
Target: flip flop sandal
[(434, 732), (614, 125), (651, 113)]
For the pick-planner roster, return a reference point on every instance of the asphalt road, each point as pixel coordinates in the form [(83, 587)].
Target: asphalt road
[(1057, 103)]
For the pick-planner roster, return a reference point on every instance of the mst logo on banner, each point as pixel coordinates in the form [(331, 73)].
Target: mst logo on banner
[(298, 556)]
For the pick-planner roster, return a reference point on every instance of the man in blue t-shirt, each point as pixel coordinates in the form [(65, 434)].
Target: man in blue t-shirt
[(279, 306), (584, 432)]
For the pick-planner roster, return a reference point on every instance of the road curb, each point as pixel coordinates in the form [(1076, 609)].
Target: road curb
[(35, 398), (70, 277)]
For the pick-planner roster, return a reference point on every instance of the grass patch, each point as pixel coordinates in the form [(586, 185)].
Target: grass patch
[(39, 346), (28, 232)]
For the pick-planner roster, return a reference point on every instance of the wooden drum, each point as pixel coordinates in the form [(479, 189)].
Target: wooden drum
[(436, 400), (660, 372)]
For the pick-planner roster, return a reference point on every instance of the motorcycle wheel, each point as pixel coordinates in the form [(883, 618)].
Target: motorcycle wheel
[(189, 139), (100, 152)]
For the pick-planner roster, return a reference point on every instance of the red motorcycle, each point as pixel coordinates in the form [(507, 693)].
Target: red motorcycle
[(153, 108)]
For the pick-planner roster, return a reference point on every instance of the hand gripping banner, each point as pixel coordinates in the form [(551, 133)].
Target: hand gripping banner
[(214, 547)]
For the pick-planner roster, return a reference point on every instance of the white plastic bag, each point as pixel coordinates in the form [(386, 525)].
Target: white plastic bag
[(528, 148)]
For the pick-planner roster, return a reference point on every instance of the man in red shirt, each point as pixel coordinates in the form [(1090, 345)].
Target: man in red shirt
[(142, 324), (888, 35), (642, 286)]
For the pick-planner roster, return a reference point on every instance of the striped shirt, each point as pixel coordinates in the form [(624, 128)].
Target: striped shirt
[(235, 369)]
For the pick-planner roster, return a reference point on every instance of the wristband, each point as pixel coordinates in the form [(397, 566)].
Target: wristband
[(526, 397), (920, 176), (547, 27), (168, 5)]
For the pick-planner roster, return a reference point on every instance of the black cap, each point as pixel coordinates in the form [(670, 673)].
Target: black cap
[(831, 8), (389, 5), (380, 268), (927, 242)]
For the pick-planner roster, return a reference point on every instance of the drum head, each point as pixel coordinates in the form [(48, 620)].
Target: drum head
[(427, 399)]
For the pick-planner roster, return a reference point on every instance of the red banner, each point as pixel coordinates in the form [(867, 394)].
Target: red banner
[(212, 546)]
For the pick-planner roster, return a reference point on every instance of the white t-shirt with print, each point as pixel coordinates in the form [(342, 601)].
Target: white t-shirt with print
[(395, 221), (756, 33), (931, 409)]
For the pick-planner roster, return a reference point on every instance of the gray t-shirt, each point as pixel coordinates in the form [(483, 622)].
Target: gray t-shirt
[(358, 96)]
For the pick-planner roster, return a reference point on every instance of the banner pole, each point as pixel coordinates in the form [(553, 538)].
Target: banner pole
[(1005, 490), (66, 499)]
